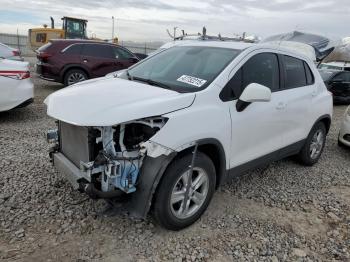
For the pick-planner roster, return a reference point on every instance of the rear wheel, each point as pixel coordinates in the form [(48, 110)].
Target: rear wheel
[(74, 76), (314, 145), (180, 200)]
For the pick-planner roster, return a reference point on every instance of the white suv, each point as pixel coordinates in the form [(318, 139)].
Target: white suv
[(171, 129)]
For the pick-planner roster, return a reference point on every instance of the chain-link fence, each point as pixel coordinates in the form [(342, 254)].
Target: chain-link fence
[(21, 42), (140, 47), (17, 41)]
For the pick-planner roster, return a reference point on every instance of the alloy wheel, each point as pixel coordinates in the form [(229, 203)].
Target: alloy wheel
[(316, 144), (75, 78), (185, 203)]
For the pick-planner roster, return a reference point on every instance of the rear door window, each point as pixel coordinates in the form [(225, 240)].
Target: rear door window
[(102, 51), (295, 75)]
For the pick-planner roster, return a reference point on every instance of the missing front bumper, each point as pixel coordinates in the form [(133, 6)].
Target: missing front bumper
[(73, 174)]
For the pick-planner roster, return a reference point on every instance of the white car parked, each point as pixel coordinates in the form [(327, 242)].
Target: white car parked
[(344, 133), (16, 87), (175, 126), (10, 53)]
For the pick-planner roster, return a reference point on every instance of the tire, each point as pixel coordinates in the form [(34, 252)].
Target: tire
[(74, 76), (340, 144), (173, 216), (314, 145)]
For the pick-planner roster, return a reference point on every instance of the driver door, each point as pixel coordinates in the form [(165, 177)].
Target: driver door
[(257, 131)]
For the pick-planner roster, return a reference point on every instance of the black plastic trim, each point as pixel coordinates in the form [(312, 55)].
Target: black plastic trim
[(267, 159), (241, 105), (25, 103), (151, 172), (324, 117)]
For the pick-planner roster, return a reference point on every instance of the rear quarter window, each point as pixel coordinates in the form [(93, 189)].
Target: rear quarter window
[(310, 79), (45, 47)]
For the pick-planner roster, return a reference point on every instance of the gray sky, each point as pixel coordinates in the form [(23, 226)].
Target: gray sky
[(146, 20)]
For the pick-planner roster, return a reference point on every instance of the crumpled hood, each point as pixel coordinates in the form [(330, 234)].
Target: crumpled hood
[(113, 101)]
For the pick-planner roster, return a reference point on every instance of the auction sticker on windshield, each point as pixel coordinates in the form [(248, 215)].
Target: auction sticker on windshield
[(191, 80)]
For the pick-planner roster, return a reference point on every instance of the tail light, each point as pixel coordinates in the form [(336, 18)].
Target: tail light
[(18, 75), (44, 56), (16, 53)]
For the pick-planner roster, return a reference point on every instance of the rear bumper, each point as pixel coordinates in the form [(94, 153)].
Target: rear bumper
[(69, 170), (20, 96), (47, 72), (25, 103)]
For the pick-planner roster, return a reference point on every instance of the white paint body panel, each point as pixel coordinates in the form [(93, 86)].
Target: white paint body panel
[(14, 92), (262, 128), (107, 102)]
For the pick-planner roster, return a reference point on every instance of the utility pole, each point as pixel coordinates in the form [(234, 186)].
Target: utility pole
[(112, 28)]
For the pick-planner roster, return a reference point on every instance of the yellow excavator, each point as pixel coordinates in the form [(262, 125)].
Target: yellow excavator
[(72, 28)]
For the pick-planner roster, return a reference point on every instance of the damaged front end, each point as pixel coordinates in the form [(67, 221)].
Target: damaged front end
[(105, 162)]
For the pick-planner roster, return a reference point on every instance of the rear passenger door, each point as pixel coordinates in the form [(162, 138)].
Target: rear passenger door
[(98, 58), (71, 54), (299, 89)]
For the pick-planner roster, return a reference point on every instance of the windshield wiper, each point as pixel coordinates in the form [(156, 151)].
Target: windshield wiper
[(151, 82)]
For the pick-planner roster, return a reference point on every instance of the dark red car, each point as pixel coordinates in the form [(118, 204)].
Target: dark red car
[(72, 61)]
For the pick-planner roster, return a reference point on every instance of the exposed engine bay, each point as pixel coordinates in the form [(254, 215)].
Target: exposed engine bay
[(110, 157)]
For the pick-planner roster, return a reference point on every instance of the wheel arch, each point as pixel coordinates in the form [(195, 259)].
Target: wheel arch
[(326, 120), (153, 169), (71, 67)]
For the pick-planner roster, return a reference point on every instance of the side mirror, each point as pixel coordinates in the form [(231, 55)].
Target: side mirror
[(133, 59), (253, 93)]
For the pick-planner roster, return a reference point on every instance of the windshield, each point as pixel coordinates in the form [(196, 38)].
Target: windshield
[(326, 75), (183, 69)]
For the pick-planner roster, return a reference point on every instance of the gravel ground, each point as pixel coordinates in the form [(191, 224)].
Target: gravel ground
[(283, 212)]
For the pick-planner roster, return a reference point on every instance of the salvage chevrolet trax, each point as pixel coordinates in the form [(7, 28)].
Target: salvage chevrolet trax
[(170, 130)]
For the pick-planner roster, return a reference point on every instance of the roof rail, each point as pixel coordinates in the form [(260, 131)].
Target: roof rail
[(204, 36)]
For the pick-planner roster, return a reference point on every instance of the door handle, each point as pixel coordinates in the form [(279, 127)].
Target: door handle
[(281, 106), (85, 61), (314, 93)]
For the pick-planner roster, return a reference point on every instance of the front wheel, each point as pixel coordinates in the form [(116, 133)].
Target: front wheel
[(314, 145), (180, 200)]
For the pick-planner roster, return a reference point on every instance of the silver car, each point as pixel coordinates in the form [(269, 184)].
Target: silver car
[(10, 53)]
